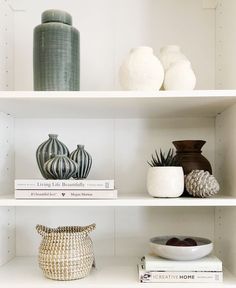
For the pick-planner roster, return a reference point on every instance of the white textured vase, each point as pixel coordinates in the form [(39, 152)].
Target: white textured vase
[(165, 181), (171, 54), (141, 70), (180, 76)]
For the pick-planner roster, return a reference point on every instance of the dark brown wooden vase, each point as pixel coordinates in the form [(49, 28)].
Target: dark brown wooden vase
[(189, 156)]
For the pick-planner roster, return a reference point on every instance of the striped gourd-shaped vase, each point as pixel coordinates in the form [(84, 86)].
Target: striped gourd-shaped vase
[(60, 167), (83, 160), (49, 149)]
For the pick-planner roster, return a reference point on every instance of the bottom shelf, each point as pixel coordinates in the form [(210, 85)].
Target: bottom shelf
[(110, 272)]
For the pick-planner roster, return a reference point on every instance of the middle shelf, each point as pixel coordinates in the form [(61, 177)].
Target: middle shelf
[(123, 200)]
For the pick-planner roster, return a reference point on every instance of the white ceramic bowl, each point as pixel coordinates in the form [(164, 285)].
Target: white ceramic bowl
[(159, 248)]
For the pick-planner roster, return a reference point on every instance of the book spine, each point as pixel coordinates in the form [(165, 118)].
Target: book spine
[(194, 266), (64, 184), (65, 194), (180, 277)]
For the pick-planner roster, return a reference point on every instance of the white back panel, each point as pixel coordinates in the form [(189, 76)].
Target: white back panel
[(109, 29)]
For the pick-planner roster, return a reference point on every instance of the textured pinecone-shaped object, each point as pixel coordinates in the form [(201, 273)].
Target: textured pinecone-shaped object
[(200, 183)]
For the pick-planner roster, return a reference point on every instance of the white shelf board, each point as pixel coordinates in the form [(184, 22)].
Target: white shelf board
[(23, 272), (123, 200), (116, 104)]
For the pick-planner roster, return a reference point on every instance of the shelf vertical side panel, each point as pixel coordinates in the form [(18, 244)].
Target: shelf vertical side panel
[(7, 214), (6, 46), (225, 44), (7, 166), (7, 235), (225, 228)]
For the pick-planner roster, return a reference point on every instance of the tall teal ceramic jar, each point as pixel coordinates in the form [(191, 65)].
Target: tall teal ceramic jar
[(56, 53)]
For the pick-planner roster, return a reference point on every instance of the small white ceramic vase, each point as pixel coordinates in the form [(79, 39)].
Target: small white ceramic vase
[(141, 70), (165, 181), (171, 54), (180, 76)]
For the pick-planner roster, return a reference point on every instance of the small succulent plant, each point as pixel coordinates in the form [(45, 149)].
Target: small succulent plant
[(162, 160)]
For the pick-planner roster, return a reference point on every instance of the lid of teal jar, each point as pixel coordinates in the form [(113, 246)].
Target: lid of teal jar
[(56, 16)]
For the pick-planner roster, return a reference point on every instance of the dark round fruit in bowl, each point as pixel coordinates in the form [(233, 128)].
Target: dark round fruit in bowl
[(183, 243), (191, 241), (172, 241)]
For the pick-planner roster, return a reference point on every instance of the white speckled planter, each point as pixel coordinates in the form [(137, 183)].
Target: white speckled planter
[(165, 181)]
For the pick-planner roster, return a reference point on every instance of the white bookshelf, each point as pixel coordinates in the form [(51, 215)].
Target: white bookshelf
[(120, 129), (110, 272), (116, 104), (131, 200)]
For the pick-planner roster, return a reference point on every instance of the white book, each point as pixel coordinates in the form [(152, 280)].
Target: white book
[(65, 194), (178, 276), (44, 184), (209, 263)]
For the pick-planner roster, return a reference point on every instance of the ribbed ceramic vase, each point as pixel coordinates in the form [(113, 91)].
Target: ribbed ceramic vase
[(83, 160), (56, 53), (60, 167), (49, 149)]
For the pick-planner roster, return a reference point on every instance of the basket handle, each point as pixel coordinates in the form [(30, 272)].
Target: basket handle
[(84, 231), (42, 230), (87, 229)]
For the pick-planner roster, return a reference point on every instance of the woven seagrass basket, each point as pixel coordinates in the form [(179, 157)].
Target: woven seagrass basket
[(66, 253)]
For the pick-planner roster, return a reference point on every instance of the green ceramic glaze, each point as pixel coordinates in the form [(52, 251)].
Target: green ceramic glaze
[(56, 53)]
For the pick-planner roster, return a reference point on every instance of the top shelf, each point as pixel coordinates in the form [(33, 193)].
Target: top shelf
[(116, 104)]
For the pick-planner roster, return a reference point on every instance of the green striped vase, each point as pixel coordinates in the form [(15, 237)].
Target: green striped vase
[(83, 160), (60, 167), (56, 53), (48, 150)]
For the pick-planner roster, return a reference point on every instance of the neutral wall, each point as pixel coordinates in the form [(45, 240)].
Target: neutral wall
[(109, 29)]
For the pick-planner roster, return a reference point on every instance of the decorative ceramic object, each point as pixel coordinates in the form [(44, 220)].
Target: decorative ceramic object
[(158, 247), (165, 181), (180, 76), (188, 155), (170, 55), (48, 150), (60, 167), (201, 183), (141, 70), (83, 160), (56, 53), (178, 71), (66, 253)]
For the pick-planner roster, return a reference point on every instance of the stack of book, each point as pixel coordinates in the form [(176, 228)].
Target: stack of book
[(65, 189), (154, 269)]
